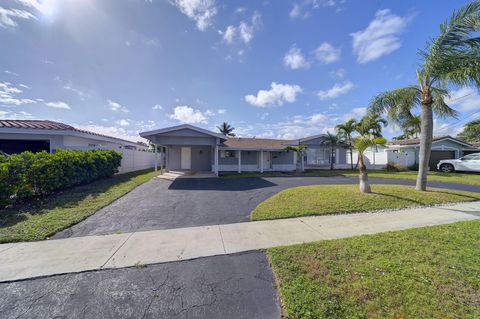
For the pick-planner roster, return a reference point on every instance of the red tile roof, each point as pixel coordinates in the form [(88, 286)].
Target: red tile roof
[(48, 125), (257, 143)]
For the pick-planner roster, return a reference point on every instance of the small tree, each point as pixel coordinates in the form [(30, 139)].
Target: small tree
[(299, 150), (361, 144), (347, 129), (332, 141), (226, 129)]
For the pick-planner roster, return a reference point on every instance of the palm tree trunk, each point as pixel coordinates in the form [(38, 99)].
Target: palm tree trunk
[(351, 157), (332, 151), (363, 177), (426, 136)]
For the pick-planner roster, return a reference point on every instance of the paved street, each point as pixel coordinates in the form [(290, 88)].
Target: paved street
[(233, 286)]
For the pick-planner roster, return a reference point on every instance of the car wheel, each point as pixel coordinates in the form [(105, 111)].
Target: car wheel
[(447, 168)]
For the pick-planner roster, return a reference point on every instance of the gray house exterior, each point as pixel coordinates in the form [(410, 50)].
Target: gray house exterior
[(443, 147), (190, 148)]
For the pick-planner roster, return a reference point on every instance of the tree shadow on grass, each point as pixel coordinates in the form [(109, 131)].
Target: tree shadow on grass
[(68, 198), (413, 201)]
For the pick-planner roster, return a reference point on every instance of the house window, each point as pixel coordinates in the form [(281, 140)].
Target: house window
[(224, 154)]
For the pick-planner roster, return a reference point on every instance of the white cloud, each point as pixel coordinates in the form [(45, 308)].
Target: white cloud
[(302, 8), (380, 37), (327, 53), (9, 115), (157, 107), (245, 31), (9, 95), (69, 87), (189, 115), (114, 131), (8, 17), (222, 111), (123, 122), (337, 90), (277, 95), (359, 111), (116, 107), (464, 99), (229, 34), (294, 59), (318, 118), (201, 11), (11, 73), (58, 105), (340, 73)]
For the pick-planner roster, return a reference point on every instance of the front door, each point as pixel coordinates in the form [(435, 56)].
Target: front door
[(186, 158), (267, 161)]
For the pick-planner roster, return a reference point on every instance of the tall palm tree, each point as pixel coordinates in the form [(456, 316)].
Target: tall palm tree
[(452, 58), (362, 143), (299, 150), (332, 141), (347, 129), (226, 129)]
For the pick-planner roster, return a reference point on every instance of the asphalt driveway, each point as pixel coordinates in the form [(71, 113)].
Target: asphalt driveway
[(233, 286), (186, 202)]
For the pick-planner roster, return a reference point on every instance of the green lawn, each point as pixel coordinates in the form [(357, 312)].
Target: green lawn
[(430, 272), (329, 199), (461, 178), (41, 219)]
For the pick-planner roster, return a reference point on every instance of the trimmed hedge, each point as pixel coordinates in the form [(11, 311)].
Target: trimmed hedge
[(28, 174)]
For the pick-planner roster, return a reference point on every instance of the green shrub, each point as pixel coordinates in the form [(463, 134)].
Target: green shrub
[(395, 167), (30, 174)]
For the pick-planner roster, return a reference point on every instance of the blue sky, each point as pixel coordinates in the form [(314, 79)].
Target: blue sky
[(279, 69)]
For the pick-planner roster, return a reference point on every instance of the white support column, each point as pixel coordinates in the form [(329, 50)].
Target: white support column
[(156, 156), (216, 160), (161, 159), (302, 159), (239, 154), (261, 161)]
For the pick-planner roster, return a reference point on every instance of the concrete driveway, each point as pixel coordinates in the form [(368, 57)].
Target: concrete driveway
[(186, 202)]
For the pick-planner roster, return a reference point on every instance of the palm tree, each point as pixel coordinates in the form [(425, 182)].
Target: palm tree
[(347, 129), (412, 126), (332, 141), (299, 150), (362, 143), (452, 58), (371, 126), (226, 129)]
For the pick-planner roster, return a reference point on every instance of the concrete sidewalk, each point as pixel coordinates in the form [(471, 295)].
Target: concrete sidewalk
[(44, 258)]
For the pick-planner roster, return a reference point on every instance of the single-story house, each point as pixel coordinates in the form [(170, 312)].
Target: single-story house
[(188, 147), (17, 136), (405, 152)]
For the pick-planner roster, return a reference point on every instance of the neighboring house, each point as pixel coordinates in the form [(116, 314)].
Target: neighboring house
[(17, 136), (189, 147), (405, 152), (318, 155)]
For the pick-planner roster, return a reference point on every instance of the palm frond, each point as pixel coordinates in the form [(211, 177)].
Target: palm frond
[(397, 104), (439, 106)]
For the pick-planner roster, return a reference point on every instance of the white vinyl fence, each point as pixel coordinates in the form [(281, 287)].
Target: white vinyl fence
[(378, 160)]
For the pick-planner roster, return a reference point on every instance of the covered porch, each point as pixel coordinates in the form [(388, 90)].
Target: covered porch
[(186, 148)]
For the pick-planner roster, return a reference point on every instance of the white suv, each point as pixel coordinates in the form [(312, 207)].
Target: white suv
[(468, 163)]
